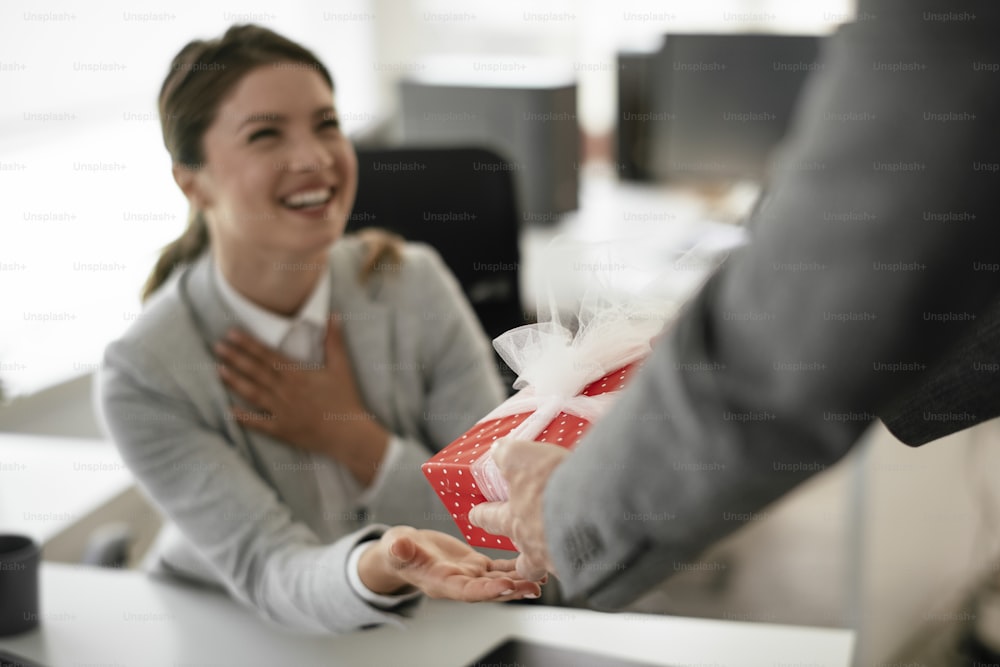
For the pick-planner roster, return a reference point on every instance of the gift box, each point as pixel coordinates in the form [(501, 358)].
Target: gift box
[(566, 380), (568, 375), (453, 472)]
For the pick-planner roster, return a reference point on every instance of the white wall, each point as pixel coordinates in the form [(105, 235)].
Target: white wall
[(87, 195)]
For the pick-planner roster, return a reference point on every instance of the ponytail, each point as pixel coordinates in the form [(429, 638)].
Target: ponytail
[(383, 252), (184, 250)]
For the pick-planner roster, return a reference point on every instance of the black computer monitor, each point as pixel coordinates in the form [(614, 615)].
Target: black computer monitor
[(715, 105)]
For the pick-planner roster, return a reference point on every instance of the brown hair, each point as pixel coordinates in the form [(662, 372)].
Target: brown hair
[(200, 77)]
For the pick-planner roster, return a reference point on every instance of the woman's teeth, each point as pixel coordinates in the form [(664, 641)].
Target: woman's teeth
[(308, 198)]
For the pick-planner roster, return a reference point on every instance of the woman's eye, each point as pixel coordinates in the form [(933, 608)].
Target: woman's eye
[(262, 133), (330, 124)]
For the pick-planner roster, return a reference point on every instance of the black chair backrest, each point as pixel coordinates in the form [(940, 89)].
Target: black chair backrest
[(461, 201)]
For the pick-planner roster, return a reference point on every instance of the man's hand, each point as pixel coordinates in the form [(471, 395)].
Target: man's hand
[(440, 566), (316, 407), (527, 467)]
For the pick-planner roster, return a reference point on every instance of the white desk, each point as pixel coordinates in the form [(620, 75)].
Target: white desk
[(47, 484), (93, 616)]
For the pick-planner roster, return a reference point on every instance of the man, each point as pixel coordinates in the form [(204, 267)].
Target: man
[(871, 288)]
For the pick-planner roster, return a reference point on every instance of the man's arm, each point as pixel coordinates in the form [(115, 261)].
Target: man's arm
[(962, 391), (865, 269)]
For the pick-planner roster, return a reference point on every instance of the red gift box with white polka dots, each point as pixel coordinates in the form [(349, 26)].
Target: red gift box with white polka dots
[(450, 470)]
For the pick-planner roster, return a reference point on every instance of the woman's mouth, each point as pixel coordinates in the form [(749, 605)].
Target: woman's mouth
[(307, 200)]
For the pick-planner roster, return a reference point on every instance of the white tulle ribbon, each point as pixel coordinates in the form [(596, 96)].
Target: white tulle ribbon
[(612, 328), (554, 365)]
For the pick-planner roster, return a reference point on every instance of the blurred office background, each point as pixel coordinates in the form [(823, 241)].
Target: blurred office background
[(636, 135)]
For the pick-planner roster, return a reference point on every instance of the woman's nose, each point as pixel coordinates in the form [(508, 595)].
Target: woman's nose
[(310, 154)]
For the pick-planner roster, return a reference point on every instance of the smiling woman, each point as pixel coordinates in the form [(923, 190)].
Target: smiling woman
[(221, 98), (271, 398), (279, 179)]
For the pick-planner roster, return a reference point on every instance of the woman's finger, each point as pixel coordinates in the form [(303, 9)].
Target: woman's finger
[(403, 552), (502, 565), (248, 365), (498, 590), (249, 390), (495, 575), (527, 589), (261, 421), (266, 357), (466, 588), (488, 589)]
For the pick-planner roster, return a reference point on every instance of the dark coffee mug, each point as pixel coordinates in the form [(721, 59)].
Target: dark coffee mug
[(19, 559)]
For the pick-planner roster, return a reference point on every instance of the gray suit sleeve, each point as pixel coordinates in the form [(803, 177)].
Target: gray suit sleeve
[(963, 390), (865, 269), (264, 557), (461, 385)]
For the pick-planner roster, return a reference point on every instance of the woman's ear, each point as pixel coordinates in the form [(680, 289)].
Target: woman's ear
[(189, 183)]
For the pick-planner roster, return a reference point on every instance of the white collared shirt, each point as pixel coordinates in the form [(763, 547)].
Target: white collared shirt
[(301, 338)]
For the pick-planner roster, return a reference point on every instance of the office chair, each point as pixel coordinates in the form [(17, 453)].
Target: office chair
[(462, 202)]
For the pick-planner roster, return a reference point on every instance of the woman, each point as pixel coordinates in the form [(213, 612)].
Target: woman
[(278, 468)]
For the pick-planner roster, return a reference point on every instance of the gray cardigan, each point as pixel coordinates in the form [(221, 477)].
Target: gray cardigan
[(247, 505)]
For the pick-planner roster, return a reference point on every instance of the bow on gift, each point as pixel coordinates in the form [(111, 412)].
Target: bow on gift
[(554, 365)]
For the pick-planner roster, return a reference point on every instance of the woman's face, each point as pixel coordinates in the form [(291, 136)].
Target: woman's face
[(279, 177)]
